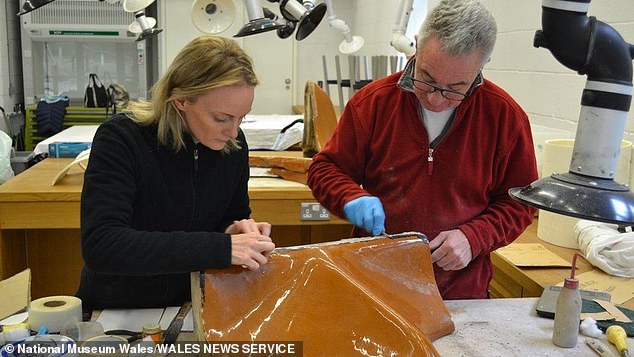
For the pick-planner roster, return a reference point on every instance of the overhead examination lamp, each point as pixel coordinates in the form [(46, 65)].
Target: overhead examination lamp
[(593, 48), (399, 40), (145, 24), (30, 5), (350, 44), (213, 16), (136, 28), (307, 15), (136, 5), (258, 23), (288, 27)]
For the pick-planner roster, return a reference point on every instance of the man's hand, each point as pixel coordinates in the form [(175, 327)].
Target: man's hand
[(451, 250), (366, 212)]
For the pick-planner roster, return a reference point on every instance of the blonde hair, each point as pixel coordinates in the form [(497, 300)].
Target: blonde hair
[(205, 63), (463, 27)]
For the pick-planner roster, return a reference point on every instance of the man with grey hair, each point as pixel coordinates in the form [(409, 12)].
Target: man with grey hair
[(435, 149)]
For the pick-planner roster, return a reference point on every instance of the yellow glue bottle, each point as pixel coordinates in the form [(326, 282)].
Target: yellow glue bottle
[(568, 311)]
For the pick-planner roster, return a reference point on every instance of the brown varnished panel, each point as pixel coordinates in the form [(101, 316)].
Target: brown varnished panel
[(375, 294)]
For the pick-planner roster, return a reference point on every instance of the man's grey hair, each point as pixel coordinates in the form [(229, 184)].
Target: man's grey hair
[(463, 26)]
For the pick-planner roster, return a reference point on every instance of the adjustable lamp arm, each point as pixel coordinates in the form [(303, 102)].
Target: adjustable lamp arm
[(400, 41), (585, 44), (350, 44), (309, 4), (254, 9), (593, 48), (337, 23)]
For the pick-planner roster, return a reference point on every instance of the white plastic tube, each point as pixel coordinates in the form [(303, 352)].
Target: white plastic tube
[(399, 40)]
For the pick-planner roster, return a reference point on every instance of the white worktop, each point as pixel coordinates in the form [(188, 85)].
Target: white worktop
[(505, 327)]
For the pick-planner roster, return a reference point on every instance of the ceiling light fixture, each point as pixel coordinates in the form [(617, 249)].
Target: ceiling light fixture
[(145, 24), (307, 15), (258, 23), (213, 16)]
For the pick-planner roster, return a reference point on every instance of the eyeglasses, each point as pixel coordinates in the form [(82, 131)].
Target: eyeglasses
[(450, 94)]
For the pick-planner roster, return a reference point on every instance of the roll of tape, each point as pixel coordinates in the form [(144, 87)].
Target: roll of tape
[(53, 312), (41, 346), (104, 346)]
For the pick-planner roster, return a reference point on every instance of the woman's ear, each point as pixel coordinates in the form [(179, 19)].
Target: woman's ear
[(180, 102)]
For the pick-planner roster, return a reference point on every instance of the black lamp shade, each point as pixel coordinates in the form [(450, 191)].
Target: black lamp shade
[(257, 26), (31, 5), (580, 196), (307, 24), (148, 33)]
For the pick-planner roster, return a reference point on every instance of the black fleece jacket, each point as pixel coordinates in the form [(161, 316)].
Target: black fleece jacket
[(150, 215)]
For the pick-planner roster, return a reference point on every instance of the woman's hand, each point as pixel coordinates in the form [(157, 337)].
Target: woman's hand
[(249, 226), (250, 249)]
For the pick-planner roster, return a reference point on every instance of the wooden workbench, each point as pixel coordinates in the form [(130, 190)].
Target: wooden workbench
[(510, 281), (39, 223)]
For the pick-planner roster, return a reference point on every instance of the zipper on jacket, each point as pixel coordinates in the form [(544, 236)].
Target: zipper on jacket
[(196, 159), (194, 180), (437, 140)]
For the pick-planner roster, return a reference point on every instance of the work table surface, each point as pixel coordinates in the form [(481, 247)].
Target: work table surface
[(34, 185), (506, 327), (500, 327), (510, 281)]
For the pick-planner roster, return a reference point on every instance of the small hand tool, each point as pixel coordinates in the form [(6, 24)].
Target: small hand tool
[(616, 335), (170, 335), (598, 347), (131, 336)]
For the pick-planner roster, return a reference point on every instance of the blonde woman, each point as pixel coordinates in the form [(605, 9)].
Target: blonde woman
[(165, 191)]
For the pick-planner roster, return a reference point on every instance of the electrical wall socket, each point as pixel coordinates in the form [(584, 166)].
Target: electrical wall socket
[(312, 211)]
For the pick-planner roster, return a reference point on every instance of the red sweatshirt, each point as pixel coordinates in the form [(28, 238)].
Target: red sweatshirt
[(381, 148)]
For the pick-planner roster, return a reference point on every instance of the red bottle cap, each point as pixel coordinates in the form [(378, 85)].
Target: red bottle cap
[(571, 283)]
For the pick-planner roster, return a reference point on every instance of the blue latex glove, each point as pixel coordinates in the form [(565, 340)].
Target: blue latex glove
[(366, 212)]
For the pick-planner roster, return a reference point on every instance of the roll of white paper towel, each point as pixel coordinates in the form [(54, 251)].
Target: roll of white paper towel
[(556, 228)]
